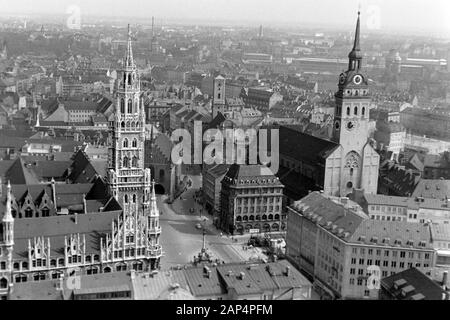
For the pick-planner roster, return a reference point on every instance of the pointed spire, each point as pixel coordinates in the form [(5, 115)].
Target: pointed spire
[(355, 55), (8, 215), (129, 55), (357, 34), (153, 206), (153, 191)]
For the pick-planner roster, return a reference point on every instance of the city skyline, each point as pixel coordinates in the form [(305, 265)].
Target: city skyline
[(378, 15)]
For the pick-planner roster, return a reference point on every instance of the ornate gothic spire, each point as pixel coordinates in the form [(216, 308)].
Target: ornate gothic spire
[(129, 63), (8, 215), (153, 206)]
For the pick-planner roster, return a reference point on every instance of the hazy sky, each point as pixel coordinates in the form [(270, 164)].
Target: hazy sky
[(386, 14)]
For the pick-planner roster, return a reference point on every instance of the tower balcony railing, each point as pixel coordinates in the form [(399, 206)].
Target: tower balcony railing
[(130, 173)]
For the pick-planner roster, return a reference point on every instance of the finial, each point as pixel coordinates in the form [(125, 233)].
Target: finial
[(8, 214)]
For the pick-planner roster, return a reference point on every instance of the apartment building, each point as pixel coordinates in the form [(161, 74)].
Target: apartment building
[(345, 251)]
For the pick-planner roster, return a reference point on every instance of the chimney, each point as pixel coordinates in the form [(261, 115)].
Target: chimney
[(242, 275), (76, 217), (288, 269)]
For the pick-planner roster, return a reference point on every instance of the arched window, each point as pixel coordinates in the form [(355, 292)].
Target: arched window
[(132, 126), (3, 283), (351, 171), (238, 218), (122, 106), (126, 162), (122, 124), (45, 212), (134, 198), (134, 162), (125, 143), (363, 111), (134, 145), (125, 198), (356, 111), (121, 267), (28, 213), (14, 213), (348, 111), (128, 125), (129, 80), (130, 106), (161, 175)]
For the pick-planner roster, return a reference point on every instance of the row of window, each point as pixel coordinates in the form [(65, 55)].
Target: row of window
[(133, 143), (387, 218), (257, 217), (137, 266), (30, 213), (38, 263), (126, 163), (261, 200), (389, 209), (387, 253), (258, 191), (258, 209), (130, 108)]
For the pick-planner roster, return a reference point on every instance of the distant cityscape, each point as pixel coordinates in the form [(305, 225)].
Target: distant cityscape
[(338, 186)]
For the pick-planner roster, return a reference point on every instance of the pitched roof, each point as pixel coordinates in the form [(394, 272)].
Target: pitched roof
[(436, 189), (309, 149), (92, 226), (418, 286), (18, 173)]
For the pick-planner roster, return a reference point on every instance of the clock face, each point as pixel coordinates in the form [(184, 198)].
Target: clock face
[(357, 79)]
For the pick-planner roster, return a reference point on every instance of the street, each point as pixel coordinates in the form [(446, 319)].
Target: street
[(181, 240)]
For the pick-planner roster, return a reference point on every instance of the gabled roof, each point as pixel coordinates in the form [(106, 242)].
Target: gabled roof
[(18, 173), (301, 146)]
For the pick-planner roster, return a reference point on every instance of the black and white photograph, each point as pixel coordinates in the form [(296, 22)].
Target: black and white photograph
[(225, 154)]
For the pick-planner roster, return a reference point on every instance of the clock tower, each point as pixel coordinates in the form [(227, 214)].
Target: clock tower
[(351, 120)]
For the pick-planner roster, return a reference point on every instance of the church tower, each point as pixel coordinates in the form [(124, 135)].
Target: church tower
[(129, 181), (218, 103), (351, 125)]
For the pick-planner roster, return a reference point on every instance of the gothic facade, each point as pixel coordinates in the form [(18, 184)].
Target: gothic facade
[(65, 244)]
